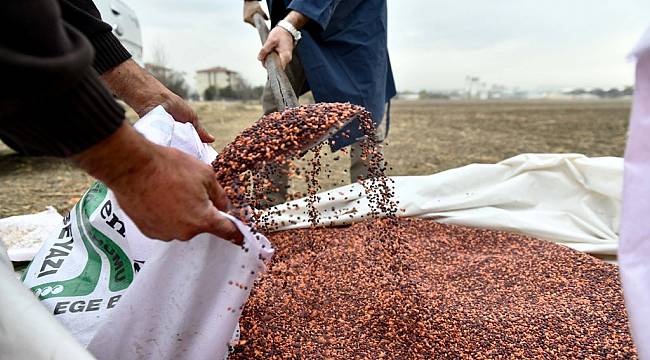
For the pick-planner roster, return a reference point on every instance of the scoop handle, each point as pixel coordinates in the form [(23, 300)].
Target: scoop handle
[(281, 87)]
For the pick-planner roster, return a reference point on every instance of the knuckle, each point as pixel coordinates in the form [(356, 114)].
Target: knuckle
[(221, 194), (191, 229), (206, 223), (186, 235), (222, 227), (151, 233)]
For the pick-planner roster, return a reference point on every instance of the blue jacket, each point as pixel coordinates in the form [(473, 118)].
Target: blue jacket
[(344, 54)]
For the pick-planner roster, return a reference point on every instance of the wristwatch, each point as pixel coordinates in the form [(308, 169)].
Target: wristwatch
[(295, 33)]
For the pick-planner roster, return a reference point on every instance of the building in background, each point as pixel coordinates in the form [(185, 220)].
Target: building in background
[(217, 81), (158, 70)]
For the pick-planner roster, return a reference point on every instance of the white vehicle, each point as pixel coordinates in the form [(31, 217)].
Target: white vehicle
[(125, 25)]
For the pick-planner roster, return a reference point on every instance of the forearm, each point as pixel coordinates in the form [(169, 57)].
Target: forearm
[(297, 19), (135, 86), (143, 92), (117, 156), (127, 81), (319, 12)]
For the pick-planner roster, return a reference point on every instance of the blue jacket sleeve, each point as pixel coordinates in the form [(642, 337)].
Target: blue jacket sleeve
[(320, 11)]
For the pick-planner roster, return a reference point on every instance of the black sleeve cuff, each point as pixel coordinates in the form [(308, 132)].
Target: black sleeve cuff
[(67, 124), (109, 52)]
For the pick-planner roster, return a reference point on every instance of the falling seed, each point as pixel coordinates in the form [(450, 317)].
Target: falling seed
[(245, 167)]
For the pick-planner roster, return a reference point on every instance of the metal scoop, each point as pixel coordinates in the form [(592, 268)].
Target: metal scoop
[(282, 90)]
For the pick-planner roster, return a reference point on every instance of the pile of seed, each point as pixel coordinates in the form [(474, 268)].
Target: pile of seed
[(246, 166), (416, 289), (275, 138)]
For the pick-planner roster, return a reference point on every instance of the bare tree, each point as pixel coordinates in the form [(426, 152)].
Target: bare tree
[(160, 69), (160, 56)]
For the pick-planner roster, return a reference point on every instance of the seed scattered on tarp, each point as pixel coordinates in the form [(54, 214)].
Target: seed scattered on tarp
[(417, 289)]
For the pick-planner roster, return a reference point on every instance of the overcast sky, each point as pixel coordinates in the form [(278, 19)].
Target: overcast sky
[(433, 44)]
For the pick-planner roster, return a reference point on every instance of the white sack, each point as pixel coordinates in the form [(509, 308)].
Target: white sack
[(130, 297), (27, 330), (634, 252), (184, 304), (565, 198), (24, 235)]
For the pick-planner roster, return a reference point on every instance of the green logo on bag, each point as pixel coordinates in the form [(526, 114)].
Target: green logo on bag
[(121, 271), (85, 283)]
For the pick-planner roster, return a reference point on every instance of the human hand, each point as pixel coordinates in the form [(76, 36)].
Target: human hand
[(250, 9), (167, 193), (280, 41), (178, 109), (143, 92)]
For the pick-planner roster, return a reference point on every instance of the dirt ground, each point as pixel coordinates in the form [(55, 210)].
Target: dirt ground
[(425, 137)]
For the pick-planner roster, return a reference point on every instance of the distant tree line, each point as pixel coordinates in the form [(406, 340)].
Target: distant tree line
[(423, 94), (243, 92), (174, 81), (602, 93)]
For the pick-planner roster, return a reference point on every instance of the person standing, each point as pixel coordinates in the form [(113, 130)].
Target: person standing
[(338, 50)]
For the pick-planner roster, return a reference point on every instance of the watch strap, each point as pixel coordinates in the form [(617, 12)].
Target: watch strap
[(295, 33)]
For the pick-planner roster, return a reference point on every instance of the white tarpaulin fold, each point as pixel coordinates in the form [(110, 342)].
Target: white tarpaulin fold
[(23, 235), (634, 253), (569, 199)]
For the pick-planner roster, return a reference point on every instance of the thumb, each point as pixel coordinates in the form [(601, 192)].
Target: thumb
[(205, 136), (182, 112), (266, 49), (222, 227), (217, 194)]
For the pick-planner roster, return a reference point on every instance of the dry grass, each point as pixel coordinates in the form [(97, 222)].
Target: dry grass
[(426, 137)]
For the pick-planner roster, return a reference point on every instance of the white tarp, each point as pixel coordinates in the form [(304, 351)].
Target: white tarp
[(634, 253), (565, 198), (23, 235), (126, 296)]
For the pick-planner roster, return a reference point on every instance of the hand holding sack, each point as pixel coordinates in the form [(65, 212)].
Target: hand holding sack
[(115, 289)]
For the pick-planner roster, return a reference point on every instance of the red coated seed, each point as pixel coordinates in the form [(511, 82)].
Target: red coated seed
[(417, 289), (247, 165)]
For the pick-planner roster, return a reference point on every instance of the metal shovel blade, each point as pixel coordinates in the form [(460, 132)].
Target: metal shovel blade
[(308, 145)]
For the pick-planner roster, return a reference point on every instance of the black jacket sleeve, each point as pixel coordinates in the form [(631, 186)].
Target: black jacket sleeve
[(85, 17), (52, 101)]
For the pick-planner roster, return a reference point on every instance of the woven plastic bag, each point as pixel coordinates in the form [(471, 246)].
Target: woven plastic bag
[(126, 296)]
